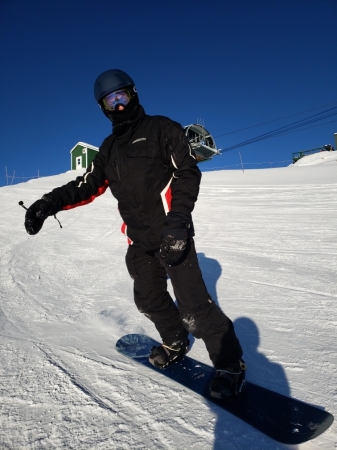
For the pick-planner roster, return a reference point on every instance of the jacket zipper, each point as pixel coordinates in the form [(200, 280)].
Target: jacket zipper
[(116, 167)]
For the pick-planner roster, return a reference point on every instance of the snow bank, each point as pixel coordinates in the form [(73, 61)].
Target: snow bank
[(317, 159)]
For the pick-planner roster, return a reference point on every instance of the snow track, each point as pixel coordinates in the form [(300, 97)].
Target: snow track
[(267, 245)]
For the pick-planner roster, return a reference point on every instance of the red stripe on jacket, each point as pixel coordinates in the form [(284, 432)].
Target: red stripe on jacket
[(168, 197), (124, 228), (99, 192)]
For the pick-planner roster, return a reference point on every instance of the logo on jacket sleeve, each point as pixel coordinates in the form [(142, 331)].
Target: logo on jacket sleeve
[(138, 140)]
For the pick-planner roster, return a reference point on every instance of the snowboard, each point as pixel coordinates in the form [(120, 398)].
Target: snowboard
[(282, 418)]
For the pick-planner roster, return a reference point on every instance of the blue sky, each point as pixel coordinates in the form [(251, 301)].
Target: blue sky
[(233, 64)]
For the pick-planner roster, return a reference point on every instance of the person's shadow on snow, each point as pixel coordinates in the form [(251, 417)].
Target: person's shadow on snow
[(260, 370), (211, 272)]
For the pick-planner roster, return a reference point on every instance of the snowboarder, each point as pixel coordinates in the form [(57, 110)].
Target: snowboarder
[(152, 171)]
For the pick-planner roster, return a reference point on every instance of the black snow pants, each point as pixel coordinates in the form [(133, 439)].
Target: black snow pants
[(195, 313)]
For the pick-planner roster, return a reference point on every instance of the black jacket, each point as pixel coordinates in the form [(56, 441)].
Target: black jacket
[(150, 169)]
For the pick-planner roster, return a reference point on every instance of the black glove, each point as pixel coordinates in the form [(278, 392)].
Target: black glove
[(37, 213), (174, 241)]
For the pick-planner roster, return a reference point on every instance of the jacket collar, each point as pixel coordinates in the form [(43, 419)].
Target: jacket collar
[(124, 130)]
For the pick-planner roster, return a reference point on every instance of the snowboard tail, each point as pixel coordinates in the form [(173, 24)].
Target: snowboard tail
[(282, 418)]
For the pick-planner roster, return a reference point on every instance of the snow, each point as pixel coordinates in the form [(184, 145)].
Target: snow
[(317, 158), (267, 245)]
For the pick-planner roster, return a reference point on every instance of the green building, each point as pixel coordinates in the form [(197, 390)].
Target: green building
[(81, 155)]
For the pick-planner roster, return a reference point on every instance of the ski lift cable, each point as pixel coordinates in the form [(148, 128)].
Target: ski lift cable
[(298, 124), (280, 134), (274, 120), (307, 128), (281, 130), (301, 120)]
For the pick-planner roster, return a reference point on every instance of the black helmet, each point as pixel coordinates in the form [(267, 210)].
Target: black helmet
[(112, 80)]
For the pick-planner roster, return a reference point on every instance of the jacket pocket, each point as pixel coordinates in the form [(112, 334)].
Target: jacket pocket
[(139, 263)]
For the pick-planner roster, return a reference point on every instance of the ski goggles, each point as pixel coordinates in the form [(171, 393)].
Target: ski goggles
[(110, 101)]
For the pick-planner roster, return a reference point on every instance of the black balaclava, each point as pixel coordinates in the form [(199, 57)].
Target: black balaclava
[(123, 120)]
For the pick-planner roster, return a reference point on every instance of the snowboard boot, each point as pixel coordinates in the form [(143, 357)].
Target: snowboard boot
[(228, 382), (163, 356)]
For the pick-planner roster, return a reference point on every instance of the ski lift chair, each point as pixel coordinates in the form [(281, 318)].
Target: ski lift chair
[(201, 142)]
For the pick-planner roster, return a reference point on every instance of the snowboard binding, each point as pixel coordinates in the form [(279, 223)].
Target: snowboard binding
[(163, 356), (228, 382)]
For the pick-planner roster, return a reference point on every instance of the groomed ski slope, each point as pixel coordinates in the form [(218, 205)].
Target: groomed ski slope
[(267, 245)]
